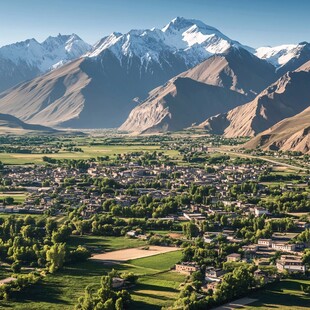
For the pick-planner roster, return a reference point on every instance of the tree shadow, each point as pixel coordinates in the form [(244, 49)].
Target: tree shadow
[(278, 295), (152, 287), (140, 305), (92, 268), (40, 292)]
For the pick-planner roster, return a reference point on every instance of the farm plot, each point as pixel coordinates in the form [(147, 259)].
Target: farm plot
[(130, 254)]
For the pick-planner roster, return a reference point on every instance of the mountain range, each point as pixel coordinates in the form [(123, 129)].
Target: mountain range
[(285, 57), (222, 81), (286, 97), (155, 80), (25, 60), (290, 134), (120, 69)]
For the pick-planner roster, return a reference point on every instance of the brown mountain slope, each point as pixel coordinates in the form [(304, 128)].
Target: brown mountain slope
[(291, 134), (12, 125), (180, 104), (216, 84), (236, 69), (45, 100), (285, 98), (91, 92)]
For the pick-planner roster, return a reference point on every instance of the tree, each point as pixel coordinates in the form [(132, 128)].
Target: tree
[(224, 220), (105, 291), (119, 304), (9, 200), (56, 256), (45, 183), (108, 305), (80, 254), (86, 302), (50, 226), (190, 230), (105, 298), (62, 234), (234, 283), (306, 257), (16, 267), (306, 289)]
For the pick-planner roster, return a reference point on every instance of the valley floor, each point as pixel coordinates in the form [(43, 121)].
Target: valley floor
[(157, 286), (284, 295)]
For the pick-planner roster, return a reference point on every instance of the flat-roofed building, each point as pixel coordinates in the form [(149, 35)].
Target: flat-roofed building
[(291, 263), (234, 257), (187, 267)]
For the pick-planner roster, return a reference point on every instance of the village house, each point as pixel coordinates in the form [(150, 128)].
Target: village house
[(194, 216), (234, 257), (214, 274), (264, 242), (302, 225), (259, 211), (291, 264), (187, 267), (250, 251), (211, 285), (283, 246)]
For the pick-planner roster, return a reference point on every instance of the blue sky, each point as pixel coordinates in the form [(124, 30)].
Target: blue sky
[(252, 22)]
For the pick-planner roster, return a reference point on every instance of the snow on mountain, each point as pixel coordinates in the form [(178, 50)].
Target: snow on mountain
[(185, 33), (46, 55), (280, 55), (191, 39)]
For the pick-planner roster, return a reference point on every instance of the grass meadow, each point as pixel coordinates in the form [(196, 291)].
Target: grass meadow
[(285, 295), (156, 287), (18, 197), (88, 152)]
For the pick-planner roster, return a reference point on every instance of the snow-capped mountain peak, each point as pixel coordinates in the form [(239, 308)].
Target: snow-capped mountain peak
[(282, 54), (190, 39), (277, 55), (180, 23), (44, 56)]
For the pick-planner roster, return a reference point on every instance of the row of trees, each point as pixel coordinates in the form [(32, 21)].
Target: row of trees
[(22, 282), (37, 243)]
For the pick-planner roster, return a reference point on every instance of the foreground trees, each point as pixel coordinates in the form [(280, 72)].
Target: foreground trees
[(105, 298), (56, 256), (31, 242), (22, 282), (235, 283)]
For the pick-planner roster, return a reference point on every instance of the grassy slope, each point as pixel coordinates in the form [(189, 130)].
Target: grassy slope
[(18, 198), (156, 287), (285, 295), (89, 152), (105, 242)]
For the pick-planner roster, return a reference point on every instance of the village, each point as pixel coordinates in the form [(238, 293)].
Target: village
[(211, 201)]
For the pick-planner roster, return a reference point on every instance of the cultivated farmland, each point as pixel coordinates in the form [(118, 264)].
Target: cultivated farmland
[(135, 253)]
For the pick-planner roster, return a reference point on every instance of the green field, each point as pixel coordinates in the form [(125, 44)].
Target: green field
[(157, 262), (156, 286), (18, 197), (285, 295), (156, 291), (105, 242), (89, 152)]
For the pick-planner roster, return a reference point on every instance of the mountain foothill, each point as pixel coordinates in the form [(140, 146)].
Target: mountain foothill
[(185, 75)]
